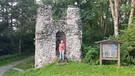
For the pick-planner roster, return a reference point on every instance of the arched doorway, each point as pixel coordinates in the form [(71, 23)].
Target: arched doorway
[(60, 36)]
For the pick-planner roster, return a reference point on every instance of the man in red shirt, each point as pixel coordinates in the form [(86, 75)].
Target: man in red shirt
[(61, 49)]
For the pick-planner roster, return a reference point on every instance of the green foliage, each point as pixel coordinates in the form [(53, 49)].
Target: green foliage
[(84, 50), (90, 35), (59, 7), (125, 49), (75, 69), (92, 55), (127, 36), (5, 47), (19, 14), (126, 8), (96, 15)]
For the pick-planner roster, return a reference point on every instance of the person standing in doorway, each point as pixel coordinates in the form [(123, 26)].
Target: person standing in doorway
[(61, 49)]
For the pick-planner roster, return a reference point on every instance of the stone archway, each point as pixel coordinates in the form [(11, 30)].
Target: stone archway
[(60, 36)]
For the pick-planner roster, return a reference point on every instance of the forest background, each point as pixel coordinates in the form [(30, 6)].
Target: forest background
[(101, 19)]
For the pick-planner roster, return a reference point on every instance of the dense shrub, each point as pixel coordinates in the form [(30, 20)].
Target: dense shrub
[(127, 36), (84, 50), (91, 55)]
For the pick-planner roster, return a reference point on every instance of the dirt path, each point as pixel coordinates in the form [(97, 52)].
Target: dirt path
[(3, 69)]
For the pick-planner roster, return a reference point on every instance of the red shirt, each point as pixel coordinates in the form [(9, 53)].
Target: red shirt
[(62, 46)]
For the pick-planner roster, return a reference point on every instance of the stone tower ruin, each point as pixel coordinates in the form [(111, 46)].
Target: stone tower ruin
[(49, 33)]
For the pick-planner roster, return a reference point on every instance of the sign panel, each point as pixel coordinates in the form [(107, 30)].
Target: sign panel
[(110, 50)]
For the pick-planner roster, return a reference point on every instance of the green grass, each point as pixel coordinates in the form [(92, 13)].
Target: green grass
[(6, 59), (10, 72), (24, 66), (74, 69), (27, 64)]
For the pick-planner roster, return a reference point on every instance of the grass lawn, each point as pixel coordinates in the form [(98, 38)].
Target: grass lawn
[(29, 64), (72, 69)]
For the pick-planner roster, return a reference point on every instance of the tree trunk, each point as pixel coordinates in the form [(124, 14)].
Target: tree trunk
[(131, 12), (20, 44), (114, 10)]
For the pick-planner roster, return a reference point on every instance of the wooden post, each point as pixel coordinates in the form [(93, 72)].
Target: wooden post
[(118, 54), (101, 53)]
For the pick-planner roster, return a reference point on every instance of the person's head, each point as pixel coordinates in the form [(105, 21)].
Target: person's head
[(61, 41)]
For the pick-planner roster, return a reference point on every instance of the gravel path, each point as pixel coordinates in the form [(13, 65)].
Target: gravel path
[(3, 69)]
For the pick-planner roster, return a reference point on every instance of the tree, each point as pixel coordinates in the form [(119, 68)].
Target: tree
[(26, 23), (131, 12), (17, 25), (114, 5), (7, 32)]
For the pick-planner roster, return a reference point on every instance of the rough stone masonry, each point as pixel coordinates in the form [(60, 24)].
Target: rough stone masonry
[(45, 35)]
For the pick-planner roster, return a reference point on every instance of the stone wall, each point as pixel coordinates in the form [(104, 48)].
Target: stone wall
[(74, 33), (45, 36), (45, 41)]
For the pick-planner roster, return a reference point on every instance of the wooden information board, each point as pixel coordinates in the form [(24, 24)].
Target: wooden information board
[(109, 50)]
